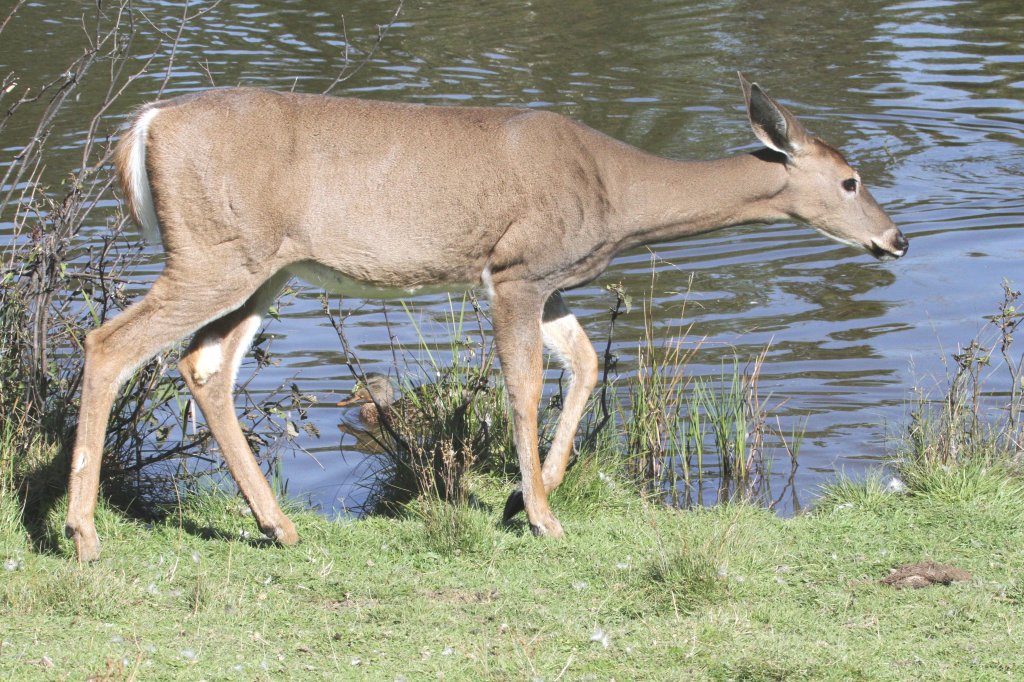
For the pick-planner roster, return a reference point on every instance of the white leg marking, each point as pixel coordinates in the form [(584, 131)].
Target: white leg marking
[(252, 325), (79, 460), (488, 282), (557, 335), (208, 360)]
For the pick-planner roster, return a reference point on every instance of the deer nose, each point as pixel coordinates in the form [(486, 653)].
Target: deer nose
[(891, 245), (900, 242)]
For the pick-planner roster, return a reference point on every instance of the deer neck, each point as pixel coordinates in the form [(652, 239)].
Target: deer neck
[(662, 199)]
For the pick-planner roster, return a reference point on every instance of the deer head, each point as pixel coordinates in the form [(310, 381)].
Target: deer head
[(822, 189)]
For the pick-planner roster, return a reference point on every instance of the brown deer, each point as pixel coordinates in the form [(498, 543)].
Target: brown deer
[(247, 187)]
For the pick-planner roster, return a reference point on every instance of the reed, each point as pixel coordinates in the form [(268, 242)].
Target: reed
[(449, 421), (975, 420), (688, 439), (685, 435)]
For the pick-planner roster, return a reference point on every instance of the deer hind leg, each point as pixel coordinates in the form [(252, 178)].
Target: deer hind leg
[(516, 311), (564, 336), (177, 305), (210, 367)]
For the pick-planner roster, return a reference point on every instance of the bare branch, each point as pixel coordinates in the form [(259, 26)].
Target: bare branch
[(382, 31), (174, 51), (11, 14)]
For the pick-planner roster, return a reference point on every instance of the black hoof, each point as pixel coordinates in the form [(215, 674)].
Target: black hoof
[(513, 505)]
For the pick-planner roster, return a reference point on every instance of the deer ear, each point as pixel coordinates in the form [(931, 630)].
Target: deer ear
[(772, 123)]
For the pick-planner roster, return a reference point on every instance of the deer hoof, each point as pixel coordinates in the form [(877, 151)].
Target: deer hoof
[(283, 533), (513, 505), (548, 527), (87, 542)]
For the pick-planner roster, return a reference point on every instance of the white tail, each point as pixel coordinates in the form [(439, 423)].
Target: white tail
[(250, 186), (135, 181)]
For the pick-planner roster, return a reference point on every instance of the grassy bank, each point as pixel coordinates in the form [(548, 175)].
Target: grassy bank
[(636, 591)]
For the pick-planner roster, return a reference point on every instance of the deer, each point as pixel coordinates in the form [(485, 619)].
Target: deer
[(246, 188)]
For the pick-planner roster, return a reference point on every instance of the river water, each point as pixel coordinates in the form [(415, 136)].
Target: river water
[(924, 98)]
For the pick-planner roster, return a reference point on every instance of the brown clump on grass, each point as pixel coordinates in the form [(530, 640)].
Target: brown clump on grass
[(925, 574)]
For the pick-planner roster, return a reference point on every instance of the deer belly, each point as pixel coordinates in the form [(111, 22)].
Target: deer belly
[(336, 282)]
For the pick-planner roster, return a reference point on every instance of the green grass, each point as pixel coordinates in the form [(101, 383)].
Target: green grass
[(635, 591)]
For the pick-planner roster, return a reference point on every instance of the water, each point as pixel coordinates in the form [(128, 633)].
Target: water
[(924, 98)]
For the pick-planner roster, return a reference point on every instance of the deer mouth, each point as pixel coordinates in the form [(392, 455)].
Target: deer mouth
[(889, 247), (884, 253)]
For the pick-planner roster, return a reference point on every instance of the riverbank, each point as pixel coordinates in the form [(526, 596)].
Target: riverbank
[(635, 591)]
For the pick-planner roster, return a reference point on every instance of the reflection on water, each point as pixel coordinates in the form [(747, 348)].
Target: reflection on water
[(923, 97)]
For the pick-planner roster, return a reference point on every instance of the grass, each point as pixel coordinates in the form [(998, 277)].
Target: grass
[(635, 591)]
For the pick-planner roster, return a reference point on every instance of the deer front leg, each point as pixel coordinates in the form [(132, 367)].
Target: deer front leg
[(564, 336), (516, 311)]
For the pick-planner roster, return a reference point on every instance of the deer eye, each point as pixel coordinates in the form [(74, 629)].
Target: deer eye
[(850, 184)]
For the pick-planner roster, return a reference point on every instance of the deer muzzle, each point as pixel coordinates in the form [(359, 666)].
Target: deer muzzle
[(889, 246)]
